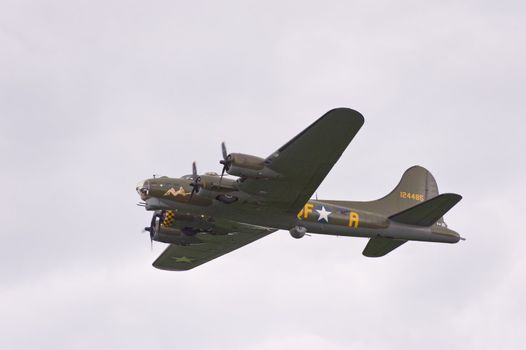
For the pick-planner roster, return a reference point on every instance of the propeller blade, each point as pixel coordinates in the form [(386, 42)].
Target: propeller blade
[(192, 193), (222, 173), (151, 228), (223, 149), (224, 161), (196, 181)]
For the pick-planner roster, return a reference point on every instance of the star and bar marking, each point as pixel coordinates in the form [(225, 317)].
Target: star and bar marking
[(324, 214)]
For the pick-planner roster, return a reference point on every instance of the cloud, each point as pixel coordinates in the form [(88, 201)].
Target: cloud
[(97, 96)]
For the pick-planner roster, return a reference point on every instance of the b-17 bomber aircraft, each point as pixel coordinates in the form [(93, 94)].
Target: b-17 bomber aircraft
[(205, 216)]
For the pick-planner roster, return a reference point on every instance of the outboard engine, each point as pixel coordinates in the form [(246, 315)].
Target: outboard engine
[(245, 165), (161, 229)]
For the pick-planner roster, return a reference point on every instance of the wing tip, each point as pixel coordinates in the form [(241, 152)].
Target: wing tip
[(347, 113), (171, 268), (369, 255), (455, 196)]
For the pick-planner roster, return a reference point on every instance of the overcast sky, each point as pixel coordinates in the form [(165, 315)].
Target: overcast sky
[(97, 95)]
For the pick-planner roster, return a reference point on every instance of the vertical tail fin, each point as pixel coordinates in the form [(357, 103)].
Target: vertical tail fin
[(416, 186)]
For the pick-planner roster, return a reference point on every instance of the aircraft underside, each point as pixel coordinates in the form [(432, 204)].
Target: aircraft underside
[(205, 216)]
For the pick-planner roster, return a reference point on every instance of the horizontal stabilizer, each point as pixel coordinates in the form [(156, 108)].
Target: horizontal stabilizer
[(428, 212), (379, 246)]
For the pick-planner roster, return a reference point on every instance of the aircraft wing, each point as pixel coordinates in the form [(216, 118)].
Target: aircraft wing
[(305, 161), (186, 257)]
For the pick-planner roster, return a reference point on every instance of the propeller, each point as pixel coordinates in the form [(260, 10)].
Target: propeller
[(226, 161), (196, 181), (153, 224)]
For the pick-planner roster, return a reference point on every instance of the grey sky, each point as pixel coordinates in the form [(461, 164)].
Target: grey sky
[(97, 95)]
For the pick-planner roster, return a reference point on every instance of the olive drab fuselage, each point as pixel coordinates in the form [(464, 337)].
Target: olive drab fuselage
[(173, 195), (204, 216)]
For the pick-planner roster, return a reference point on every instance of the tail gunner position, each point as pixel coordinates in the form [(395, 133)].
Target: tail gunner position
[(205, 216)]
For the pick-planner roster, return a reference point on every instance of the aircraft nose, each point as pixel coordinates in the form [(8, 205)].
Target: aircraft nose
[(142, 189)]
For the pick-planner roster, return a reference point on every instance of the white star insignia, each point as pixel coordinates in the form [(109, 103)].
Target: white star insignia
[(324, 214)]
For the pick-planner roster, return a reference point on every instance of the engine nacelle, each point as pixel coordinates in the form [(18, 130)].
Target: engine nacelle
[(245, 165), (167, 235), (167, 227), (298, 232)]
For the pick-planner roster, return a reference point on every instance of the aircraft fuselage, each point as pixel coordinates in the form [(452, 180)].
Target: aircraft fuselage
[(203, 211)]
